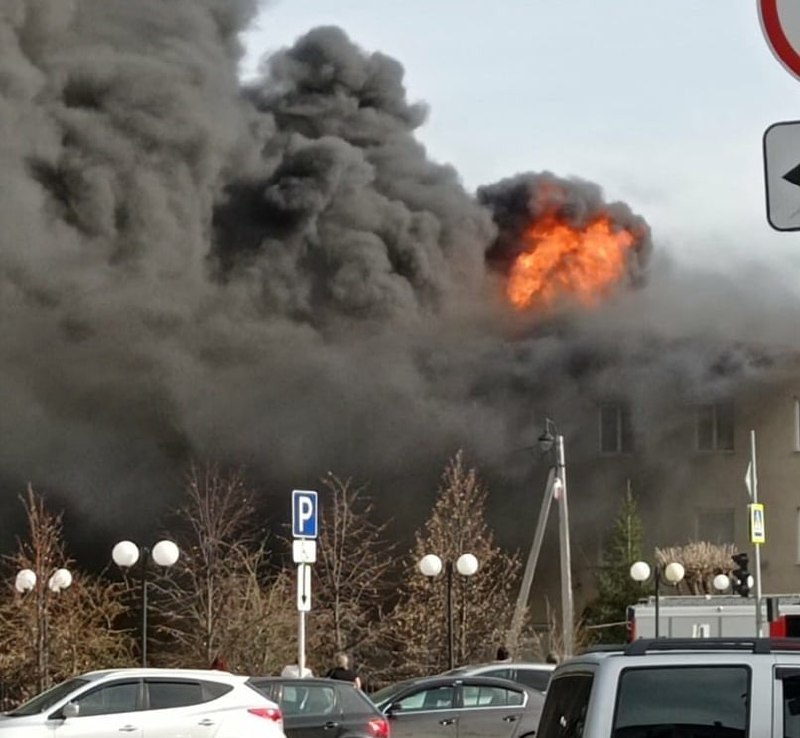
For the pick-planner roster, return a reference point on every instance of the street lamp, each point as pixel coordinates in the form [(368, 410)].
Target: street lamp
[(673, 574), (721, 582), (126, 554), (431, 566), (26, 581)]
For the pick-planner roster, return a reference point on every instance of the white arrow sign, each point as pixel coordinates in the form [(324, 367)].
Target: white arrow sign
[(782, 175), (303, 588), (748, 479)]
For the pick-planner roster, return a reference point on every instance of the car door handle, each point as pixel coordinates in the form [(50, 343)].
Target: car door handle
[(206, 722), (511, 718), (447, 721), (330, 724), (128, 729)]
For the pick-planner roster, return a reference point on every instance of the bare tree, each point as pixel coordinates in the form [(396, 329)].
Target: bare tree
[(483, 603), (351, 574), (221, 601), (47, 635), (701, 560)]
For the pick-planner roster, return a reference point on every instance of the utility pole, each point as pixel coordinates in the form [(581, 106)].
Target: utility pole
[(567, 607), (555, 488), (530, 564)]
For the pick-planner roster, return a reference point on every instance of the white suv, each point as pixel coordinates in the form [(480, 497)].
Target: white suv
[(147, 703)]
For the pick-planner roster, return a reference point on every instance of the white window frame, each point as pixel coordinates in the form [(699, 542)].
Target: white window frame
[(797, 536), (715, 443), (797, 424)]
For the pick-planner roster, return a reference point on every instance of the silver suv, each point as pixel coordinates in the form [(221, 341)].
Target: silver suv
[(676, 688)]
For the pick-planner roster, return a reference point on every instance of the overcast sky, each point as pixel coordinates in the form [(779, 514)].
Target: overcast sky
[(664, 104)]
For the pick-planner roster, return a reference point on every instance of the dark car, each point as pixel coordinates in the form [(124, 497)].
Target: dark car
[(460, 707), (323, 708)]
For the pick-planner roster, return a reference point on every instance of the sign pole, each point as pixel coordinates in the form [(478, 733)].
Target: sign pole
[(757, 546), (305, 526), (301, 637)]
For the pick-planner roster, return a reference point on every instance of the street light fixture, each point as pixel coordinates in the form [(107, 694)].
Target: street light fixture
[(126, 554), (673, 574), (431, 566), (25, 582), (721, 582)]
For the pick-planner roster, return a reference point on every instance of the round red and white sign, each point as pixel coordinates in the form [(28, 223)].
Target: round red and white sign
[(780, 20)]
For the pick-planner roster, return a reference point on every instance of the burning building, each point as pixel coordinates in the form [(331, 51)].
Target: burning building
[(278, 275)]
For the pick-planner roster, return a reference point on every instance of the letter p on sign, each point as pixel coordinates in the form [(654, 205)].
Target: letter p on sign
[(304, 513)]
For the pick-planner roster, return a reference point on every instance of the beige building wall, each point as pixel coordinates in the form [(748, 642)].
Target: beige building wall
[(686, 494)]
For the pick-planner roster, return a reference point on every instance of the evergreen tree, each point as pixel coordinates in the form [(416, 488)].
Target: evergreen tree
[(616, 589)]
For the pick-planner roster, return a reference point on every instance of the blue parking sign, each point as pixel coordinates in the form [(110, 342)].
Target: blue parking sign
[(304, 513)]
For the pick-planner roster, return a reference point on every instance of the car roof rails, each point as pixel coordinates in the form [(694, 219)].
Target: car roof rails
[(754, 645)]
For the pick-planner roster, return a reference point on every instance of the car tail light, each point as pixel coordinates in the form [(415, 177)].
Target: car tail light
[(270, 713), (378, 728)]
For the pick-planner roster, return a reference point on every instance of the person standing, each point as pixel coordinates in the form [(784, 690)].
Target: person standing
[(293, 671), (342, 670)]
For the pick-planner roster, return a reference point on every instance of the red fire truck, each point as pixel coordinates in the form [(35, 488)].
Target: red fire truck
[(715, 616)]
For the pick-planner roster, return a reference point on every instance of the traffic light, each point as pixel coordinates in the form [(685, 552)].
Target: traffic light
[(742, 579)]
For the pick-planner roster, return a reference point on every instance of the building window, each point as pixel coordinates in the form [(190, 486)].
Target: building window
[(716, 526), (797, 547), (715, 427), (797, 423), (616, 431)]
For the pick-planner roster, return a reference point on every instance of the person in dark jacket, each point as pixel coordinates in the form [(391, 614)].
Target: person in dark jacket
[(343, 671)]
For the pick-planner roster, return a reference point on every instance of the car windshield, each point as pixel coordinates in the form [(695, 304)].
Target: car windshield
[(48, 698), (386, 695)]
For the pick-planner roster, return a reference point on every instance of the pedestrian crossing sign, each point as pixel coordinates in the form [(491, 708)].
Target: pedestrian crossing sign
[(757, 532)]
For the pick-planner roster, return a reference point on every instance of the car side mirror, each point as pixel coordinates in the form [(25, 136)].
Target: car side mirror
[(71, 710), (394, 708)]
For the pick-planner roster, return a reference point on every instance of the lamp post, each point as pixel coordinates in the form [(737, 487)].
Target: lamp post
[(673, 574), (26, 581), (431, 566), (126, 554)]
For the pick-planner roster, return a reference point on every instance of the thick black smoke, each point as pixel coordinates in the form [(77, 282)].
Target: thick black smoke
[(275, 275)]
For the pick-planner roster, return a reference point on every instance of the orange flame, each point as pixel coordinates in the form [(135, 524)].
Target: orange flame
[(566, 261)]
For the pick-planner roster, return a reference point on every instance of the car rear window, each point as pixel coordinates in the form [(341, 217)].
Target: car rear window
[(484, 696), (166, 693), (564, 712), (355, 702), (499, 673), (685, 700), (311, 699), (536, 678)]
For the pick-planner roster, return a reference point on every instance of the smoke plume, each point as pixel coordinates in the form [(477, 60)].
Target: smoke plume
[(275, 275)]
